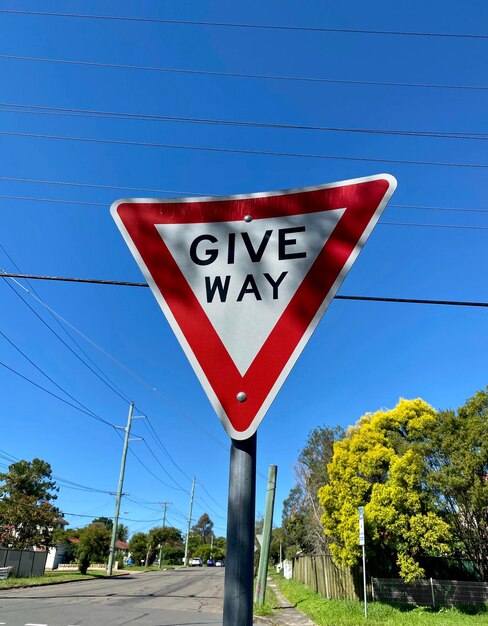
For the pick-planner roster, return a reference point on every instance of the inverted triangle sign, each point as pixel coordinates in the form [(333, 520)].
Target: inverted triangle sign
[(244, 280)]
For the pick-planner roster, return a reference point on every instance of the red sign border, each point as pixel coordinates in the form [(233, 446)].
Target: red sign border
[(363, 199)]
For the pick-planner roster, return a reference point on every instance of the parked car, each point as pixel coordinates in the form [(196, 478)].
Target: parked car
[(196, 561), (210, 563), (219, 564)]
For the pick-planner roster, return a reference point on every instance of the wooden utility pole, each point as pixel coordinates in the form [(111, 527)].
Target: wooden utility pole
[(189, 522), (266, 543), (119, 492)]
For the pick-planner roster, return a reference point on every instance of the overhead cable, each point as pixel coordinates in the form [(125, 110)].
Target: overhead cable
[(69, 483), (178, 486), (337, 297), (90, 113), (125, 519), (105, 205), (212, 498), (152, 430), (101, 375), (74, 406), (63, 183), (121, 365), (107, 382), (247, 25), (303, 155), (51, 380), (152, 473), (197, 72)]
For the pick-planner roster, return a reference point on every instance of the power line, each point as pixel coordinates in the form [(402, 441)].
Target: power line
[(413, 301), (88, 185), (74, 406), (206, 507), (455, 226), (110, 385), (105, 378), (95, 281), (415, 207), (337, 297), (49, 200), (246, 25), (213, 499), (436, 208), (142, 505), (303, 155), (152, 473), (151, 429), (69, 483), (125, 519), (193, 72), (154, 432), (89, 113), (178, 486), (126, 369), (39, 369)]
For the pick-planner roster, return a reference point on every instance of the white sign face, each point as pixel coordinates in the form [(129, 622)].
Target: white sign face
[(245, 274), (361, 526), (244, 280)]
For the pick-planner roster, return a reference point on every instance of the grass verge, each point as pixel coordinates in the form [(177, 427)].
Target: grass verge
[(270, 603), (349, 613), (48, 579)]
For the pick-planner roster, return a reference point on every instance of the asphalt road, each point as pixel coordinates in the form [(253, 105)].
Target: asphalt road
[(167, 598)]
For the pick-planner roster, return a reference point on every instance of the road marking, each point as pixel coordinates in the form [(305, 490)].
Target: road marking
[(35, 624)]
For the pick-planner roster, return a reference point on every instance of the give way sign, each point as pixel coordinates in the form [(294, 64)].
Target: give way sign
[(244, 280)]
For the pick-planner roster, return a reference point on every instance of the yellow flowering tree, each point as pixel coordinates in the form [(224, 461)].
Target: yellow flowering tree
[(380, 465)]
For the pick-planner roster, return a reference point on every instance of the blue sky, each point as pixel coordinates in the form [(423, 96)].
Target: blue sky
[(363, 356)]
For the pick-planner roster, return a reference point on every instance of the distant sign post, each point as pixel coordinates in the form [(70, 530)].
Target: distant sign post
[(243, 281), (362, 544)]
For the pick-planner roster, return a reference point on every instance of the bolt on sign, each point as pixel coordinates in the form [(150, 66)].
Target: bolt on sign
[(244, 280)]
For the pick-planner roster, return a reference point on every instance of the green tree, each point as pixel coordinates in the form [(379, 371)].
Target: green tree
[(93, 545), (161, 536), (277, 540), (458, 463), (138, 547), (381, 465), (122, 532), (194, 541), (27, 515), (219, 548), (172, 555), (295, 516), (203, 551), (106, 521), (203, 528), (301, 520)]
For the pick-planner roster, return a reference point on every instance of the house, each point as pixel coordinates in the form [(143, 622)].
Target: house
[(57, 553)]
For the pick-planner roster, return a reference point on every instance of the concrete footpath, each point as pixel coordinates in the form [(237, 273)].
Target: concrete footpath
[(286, 614)]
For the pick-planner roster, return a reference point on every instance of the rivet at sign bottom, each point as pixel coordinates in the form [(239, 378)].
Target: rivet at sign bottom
[(247, 218), (241, 396)]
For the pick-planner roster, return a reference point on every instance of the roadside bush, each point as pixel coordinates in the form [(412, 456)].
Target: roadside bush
[(93, 546), (172, 555)]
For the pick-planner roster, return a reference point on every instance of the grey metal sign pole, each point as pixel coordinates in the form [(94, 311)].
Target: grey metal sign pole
[(239, 566)]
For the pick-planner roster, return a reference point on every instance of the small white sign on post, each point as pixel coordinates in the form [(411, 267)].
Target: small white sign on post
[(362, 544), (361, 525)]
